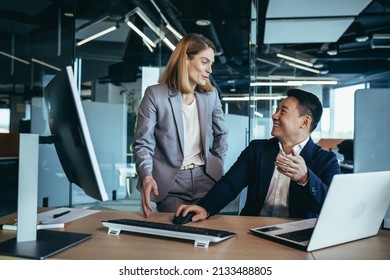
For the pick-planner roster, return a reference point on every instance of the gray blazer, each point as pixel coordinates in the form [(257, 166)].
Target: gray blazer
[(159, 136)]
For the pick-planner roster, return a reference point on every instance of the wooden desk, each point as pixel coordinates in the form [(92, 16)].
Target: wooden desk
[(243, 246)]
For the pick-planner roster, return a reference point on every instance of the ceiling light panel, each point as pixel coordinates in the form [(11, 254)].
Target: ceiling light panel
[(309, 21), (380, 41), (294, 59), (315, 8), (305, 30), (119, 36), (97, 35)]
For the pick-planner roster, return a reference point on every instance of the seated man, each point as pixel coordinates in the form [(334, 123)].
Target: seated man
[(287, 175)]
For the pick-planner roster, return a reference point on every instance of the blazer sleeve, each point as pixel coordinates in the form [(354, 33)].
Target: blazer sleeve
[(230, 185), (145, 142), (219, 130)]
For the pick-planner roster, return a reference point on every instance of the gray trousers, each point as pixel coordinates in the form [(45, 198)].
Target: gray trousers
[(190, 186)]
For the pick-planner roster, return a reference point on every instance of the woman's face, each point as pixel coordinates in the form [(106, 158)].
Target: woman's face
[(199, 67)]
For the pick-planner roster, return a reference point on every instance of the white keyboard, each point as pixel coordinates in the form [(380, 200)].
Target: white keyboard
[(201, 236)]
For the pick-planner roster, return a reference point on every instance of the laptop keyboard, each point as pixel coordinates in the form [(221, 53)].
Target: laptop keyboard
[(299, 235)]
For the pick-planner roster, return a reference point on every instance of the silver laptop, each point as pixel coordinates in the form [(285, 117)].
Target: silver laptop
[(354, 208)]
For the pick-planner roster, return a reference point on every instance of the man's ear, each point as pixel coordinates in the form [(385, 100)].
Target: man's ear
[(306, 122)]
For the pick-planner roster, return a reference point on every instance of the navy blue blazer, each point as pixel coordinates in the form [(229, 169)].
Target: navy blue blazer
[(254, 168)]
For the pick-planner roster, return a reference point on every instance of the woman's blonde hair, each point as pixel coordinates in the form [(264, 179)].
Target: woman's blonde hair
[(176, 72)]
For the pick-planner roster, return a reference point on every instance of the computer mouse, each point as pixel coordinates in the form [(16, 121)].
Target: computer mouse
[(180, 220)]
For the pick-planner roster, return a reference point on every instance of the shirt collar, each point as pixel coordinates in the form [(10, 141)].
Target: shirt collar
[(297, 148)]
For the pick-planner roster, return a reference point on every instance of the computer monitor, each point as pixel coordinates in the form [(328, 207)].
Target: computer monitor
[(70, 134), (74, 147)]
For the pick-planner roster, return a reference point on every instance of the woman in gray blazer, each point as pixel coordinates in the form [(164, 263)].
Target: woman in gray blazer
[(181, 137)]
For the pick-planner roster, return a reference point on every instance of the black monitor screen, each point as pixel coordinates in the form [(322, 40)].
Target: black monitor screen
[(71, 135)]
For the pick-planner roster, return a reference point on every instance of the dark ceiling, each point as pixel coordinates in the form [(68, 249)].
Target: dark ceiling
[(247, 42)]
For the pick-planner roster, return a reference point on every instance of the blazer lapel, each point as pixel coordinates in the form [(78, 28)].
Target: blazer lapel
[(268, 165), (175, 100), (307, 153), (203, 113)]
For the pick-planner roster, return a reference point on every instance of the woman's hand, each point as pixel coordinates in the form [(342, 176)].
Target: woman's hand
[(149, 185)]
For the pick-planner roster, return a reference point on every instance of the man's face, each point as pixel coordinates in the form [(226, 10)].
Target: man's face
[(287, 124)]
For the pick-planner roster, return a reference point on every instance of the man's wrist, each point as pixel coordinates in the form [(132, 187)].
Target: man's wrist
[(303, 181)]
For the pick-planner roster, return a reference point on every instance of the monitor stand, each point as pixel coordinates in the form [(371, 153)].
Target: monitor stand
[(30, 242), (47, 244)]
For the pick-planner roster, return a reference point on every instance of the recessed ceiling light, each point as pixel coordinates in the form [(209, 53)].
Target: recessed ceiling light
[(361, 34), (332, 52), (332, 49), (203, 22), (362, 38), (324, 72)]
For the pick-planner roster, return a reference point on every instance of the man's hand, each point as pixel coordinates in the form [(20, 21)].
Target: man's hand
[(149, 185), (200, 212), (293, 166)]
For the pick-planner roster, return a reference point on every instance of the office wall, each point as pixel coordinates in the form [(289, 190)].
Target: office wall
[(237, 138), (372, 131)]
